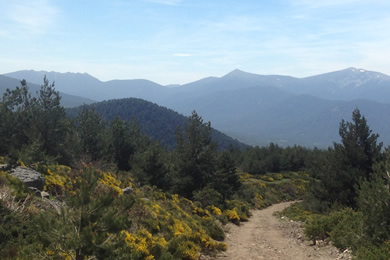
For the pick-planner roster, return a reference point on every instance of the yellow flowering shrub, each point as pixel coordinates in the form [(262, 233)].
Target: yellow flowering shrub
[(143, 243), (110, 180), (187, 250), (204, 213), (243, 176), (57, 179), (278, 176), (259, 201), (20, 163), (300, 185), (232, 215), (179, 227), (214, 210)]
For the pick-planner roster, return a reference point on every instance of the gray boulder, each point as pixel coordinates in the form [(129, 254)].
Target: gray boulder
[(29, 177)]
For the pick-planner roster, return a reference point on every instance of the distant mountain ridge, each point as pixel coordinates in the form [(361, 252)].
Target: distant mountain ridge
[(347, 84), (257, 109), (67, 100)]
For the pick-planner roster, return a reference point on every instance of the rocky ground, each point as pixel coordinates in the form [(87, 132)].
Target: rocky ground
[(265, 236)]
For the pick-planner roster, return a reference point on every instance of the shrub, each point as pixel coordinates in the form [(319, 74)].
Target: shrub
[(213, 229), (232, 215), (296, 212), (278, 176), (374, 253), (344, 228), (317, 228), (182, 248), (208, 196)]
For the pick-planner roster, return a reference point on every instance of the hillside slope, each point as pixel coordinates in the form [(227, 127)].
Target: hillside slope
[(158, 122)]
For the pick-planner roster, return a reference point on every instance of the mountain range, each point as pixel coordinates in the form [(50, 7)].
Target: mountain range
[(67, 100), (255, 109)]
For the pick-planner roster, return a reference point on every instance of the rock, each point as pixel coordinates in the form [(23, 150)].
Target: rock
[(29, 177), (127, 190), (36, 191), (44, 194)]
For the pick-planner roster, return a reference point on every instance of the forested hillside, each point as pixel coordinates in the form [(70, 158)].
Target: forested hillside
[(107, 190), (157, 122)]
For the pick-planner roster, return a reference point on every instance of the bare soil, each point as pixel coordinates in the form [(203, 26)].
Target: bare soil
[(266, 236)]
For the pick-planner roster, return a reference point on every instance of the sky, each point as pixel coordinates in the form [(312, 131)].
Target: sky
[(180, 41)]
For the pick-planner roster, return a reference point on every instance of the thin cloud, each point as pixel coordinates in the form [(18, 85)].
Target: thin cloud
[(30, 16), (182, 54), (165, 2)]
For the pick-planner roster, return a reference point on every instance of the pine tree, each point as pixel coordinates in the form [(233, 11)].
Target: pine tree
[(16, 117), (226, 180), (91, 129), (89, 222), (195, 156), (349, 163), (373, 202), (50, 119)]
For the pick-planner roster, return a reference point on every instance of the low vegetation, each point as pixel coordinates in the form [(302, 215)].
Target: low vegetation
[(115, 193), (348, 199)]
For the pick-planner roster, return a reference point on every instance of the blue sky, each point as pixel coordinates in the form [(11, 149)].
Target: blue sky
[(179, 41)]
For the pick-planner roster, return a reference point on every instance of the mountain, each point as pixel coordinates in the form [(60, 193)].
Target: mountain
[(257, 109), (348, 84), (67, 100), (260, 115), (157, 122), (85, 85)]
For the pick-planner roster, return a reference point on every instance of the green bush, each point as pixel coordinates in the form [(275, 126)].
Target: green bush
[(213, 229), (343, 228), (296, 212), (318, 228), (374, 253)]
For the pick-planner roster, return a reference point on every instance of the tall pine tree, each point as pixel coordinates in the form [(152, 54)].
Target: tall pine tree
[(349, 163), (195, 156)]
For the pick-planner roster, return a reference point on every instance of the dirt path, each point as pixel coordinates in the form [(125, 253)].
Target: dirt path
[(265, 236)]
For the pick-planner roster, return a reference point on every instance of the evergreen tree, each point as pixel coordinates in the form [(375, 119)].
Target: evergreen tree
[(195, 156), (225, 180), (92, 133), (348, 163), (150, 167), (16, 117), (89, 222), (121, 145), (359, 148), (374, 201), (50, 119)]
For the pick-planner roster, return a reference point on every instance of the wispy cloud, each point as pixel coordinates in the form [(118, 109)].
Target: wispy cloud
[(182, 54), (29, 16), (322, 4), (165, 2)]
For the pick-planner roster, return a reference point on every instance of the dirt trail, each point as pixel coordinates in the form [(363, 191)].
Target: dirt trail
[(265, 236)]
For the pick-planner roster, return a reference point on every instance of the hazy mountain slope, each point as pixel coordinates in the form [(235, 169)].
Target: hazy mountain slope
[(258, 109), (348, 84), (260, 115), (66, 99), (158, 122), (87, 86)]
